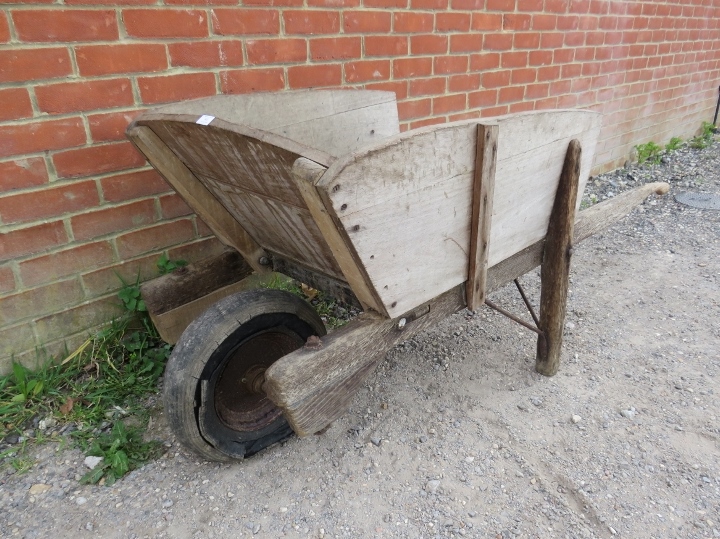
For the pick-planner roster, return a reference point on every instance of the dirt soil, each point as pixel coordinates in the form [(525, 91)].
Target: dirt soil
[(456, 435)]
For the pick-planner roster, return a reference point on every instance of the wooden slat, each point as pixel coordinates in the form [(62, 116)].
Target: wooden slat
[(306, 174), (555, 272), (314, 387), (482, 197), (406, 204), (202, 202), (334, 121)]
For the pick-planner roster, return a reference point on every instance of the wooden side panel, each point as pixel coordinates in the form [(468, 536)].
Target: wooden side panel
[(334, 121), (406, 204), (252, 179)]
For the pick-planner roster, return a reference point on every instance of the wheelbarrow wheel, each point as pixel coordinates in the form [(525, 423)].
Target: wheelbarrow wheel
[(213, 393)]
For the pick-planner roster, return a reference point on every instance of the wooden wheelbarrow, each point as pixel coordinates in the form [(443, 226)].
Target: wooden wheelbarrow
[(413, 226)]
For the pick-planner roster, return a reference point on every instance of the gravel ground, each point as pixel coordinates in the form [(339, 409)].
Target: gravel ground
[(455, 435)]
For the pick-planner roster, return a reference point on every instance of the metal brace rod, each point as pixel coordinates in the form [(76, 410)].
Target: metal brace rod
[(527, 303), (513, 317)]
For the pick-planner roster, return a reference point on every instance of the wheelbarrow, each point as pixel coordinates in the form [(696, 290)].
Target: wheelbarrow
[(322, 186)]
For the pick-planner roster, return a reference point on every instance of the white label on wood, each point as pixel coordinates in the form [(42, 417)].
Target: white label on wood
[(205, 119)]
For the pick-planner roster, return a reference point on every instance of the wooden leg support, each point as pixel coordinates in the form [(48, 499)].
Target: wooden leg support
[(555, 271)]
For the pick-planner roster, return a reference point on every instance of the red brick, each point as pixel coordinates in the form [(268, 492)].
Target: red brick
[(526, 40), (540, 58), (49, 268), (557, 6), (408, 22), (122, 187), (385, 3), (386, 45), (95, 224), (494, 111), (412, 67), (367, 70), (335, 48), (271, 51), (464, 83), (496, 79), (33, 206), (429, 44), (568, 22), (511, 94), (41, 136), (452, 22), (252, 80), (483, 98), (451, 64), (571, 71), (398, 87), (7, 280), (4, 28), (172, 206), (483, 62), (429, 4), (34, 64), (165, 23), (516, 22), (522, 106), (468, 5), (466, 42), (265, 2), (22, 173), (563, 56), (39, 301), (97, 159), (426, 122), (523, 76), (206, 54), (89, 95), (366, 22), (448, 103), (16, 104), (464, 116), (487, 21), (176, 87), (414, 109), (110, 127), (96, 60), (559, 87), (311, 22), (313, 76), (544, 22), (433, 86), (154, 238), (525, 6), (514, 59), (498, 42), (58, 25), (107, 2), (333, 3), (536, 91), (500, 5), (236, 21), (31, 240)]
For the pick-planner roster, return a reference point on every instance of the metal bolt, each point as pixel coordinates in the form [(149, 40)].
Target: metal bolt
[(401, 323), (264, 261)]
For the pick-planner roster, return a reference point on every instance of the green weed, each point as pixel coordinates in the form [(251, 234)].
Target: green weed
[(165, 265), (675, 143), (705, 138), (649, 152)]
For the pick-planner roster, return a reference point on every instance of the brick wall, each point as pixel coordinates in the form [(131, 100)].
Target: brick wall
[(78, 205)]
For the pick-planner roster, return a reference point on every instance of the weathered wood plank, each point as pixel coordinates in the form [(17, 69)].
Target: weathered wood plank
[(194, 281), (406, 203), (482, 197), (334, 121), (306, 174), (314, 387), (196, 195), (555, 269), (312, 395)]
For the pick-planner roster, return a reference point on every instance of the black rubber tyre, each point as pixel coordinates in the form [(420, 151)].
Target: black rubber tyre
[(213, 400)]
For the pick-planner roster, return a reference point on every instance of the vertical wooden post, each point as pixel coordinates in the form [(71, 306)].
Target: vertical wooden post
[(482, 198), (555, 271)]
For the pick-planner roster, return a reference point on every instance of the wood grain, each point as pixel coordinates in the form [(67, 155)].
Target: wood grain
[(405, 204), (196, 195), (555, 270), (482, 202)]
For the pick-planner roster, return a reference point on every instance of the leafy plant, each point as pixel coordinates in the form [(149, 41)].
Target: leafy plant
[(165, 265), (122, 450), (705, 138), (648, 152), (132, 299), (674, 144)]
